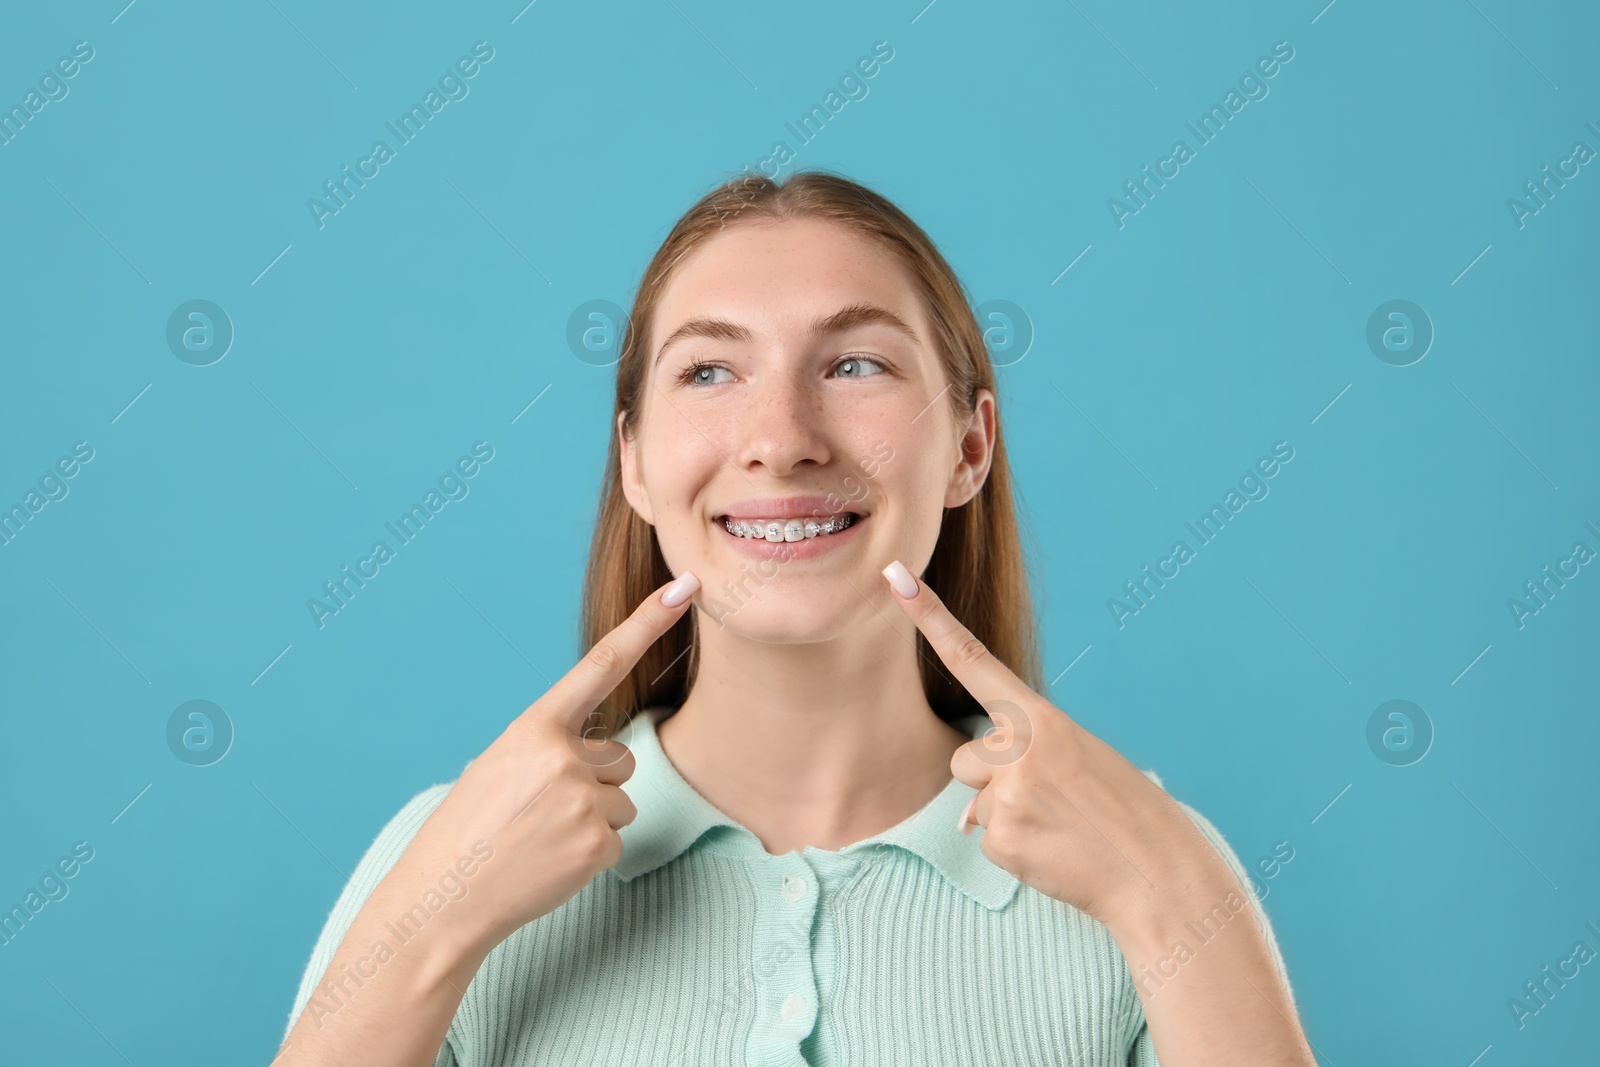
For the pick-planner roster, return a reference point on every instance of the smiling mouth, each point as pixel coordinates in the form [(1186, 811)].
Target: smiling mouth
[(784, 530)]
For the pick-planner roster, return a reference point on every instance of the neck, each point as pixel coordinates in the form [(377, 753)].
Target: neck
[(821, 744)]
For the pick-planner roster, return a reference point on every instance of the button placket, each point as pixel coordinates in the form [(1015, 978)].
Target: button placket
[(784, 973), (795, 888)]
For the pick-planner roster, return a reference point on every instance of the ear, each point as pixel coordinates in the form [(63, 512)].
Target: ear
[(632, 483), (977, 452)]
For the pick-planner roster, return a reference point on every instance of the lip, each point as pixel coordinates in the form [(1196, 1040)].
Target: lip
[(787, 507)]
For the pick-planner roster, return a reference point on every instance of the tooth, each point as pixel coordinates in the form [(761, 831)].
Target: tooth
[(781, 530)]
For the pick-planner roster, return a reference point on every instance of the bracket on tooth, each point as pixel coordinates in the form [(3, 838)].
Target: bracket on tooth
[(790, 530)]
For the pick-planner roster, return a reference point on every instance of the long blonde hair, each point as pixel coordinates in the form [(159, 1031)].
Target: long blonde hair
[(978, 567)]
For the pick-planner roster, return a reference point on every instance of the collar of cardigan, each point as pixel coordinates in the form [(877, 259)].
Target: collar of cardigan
[(673, 816)]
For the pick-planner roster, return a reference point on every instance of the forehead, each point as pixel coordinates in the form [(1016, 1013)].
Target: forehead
[(783, 274)]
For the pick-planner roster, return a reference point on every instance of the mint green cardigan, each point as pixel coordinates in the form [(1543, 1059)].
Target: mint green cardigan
[(698, 947)]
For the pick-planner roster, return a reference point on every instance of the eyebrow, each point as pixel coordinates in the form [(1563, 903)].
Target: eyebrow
[(845, 318)]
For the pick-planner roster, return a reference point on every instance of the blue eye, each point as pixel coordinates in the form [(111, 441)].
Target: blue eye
[(697, 374), (858, 362), (692, 375)]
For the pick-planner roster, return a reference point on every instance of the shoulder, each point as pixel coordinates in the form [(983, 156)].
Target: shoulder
[(376, 861)]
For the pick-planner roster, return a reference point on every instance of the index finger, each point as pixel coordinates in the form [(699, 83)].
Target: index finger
[(605, 665), (975, 667)]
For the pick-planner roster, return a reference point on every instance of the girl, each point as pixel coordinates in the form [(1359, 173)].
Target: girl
[(802, 802)]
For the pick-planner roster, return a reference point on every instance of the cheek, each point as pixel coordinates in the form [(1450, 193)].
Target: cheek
[(886, 493), (674, 470), (915, 481)]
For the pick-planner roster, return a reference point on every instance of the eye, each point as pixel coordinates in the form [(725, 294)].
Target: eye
[(857, 365), (694, 374)]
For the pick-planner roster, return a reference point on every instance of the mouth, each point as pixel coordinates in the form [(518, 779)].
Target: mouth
[(792, 539), (776, 531)]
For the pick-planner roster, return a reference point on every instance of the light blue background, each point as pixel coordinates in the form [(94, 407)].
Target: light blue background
[(1227, 315)]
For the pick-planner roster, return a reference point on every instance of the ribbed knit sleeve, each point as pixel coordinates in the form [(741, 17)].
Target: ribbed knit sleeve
[(1143, 1053), (376, 862)]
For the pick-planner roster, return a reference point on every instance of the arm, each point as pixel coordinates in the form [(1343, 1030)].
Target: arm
[(1069, 815), (1194, 961), (362, 1003), (460, 869)]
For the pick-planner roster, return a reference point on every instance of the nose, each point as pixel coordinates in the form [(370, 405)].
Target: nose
[(783, 427)]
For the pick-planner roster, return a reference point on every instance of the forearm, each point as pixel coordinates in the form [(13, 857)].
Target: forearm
[(390, 990), (1211, 992)]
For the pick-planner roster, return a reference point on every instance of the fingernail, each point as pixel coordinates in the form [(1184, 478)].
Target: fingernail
[(963, 825), (900, 580), (681, 589)]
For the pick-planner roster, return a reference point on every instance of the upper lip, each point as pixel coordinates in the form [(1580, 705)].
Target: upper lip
[(784, 507)]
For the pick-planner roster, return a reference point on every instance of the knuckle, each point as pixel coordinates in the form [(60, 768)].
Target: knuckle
[(970, 650), (595, 842), (612, 852), (572, 806), (996, 846), (563, 761), (1006, 843), (1008, 790), (603, 658), (586, 806)]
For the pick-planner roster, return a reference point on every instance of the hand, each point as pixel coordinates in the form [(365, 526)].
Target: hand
[(544, 796), (1062, 811)]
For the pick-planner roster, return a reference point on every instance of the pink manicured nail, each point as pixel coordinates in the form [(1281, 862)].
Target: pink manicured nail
[(966, 813), (900, 580), (681, 589)]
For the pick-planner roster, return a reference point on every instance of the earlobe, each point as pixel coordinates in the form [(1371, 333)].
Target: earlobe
[(976, 448), (632, 485)]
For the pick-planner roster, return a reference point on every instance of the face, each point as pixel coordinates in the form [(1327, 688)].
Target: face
[(793, 379)]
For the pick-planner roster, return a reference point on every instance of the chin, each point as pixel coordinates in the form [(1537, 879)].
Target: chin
[(785, 610)]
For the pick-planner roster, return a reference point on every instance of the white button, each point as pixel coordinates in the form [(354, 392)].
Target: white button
[(794, 1006), (793, 888)]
